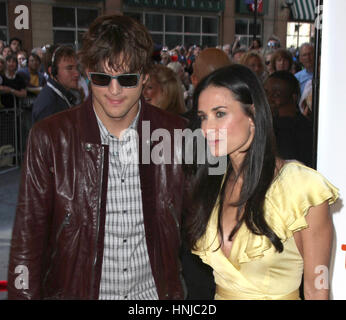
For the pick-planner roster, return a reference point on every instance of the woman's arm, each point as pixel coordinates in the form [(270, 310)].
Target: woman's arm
[(315, 243), (18, 93)]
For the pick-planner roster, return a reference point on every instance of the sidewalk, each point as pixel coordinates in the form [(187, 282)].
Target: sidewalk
[(9, 183)]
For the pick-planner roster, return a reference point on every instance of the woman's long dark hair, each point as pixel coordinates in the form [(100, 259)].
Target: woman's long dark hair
[(257, 168)]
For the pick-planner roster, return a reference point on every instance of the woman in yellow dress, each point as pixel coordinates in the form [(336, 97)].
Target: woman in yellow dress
[(266, 221)]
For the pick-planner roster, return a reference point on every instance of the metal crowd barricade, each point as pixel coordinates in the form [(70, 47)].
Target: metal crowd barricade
[(9, 134), (15, 124)]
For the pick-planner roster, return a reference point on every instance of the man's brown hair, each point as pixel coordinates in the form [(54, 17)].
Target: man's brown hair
[(120, 42), (61, 52)]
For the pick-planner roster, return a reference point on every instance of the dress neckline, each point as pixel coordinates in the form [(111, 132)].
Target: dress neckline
[(235, 238)]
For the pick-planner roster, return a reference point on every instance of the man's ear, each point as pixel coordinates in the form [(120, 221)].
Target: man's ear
[(145, 78)]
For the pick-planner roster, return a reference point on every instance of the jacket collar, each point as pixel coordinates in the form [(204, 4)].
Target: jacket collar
[(70, 97), (89, 125)]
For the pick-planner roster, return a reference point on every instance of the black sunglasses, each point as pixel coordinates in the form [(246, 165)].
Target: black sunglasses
[(126, 80)]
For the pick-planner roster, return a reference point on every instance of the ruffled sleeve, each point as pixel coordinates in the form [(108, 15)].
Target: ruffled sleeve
[(296, 189), (293, 192)]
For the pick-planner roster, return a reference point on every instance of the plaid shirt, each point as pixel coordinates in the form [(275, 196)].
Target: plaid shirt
[(126, 270)]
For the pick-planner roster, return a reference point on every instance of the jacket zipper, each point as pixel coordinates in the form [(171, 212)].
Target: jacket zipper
[(98, 220), (65, 222)]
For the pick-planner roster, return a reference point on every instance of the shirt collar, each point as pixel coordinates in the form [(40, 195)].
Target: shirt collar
[(105, 134)]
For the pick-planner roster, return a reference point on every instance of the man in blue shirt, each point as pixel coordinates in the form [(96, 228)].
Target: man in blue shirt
[(306, 57)]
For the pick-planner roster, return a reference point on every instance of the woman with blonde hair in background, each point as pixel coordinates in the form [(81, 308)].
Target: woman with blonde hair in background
[(254, 61), (164, 90)]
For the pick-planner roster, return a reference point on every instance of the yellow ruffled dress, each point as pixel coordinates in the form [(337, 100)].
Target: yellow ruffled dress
[(255, 270)]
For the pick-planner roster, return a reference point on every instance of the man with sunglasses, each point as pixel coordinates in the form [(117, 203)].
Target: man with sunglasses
[(89, 225)]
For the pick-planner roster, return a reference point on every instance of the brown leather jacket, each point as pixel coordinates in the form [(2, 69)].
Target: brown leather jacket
[(60, 220)]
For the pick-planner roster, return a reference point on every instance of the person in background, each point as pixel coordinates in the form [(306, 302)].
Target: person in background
[(281, 60), (33, 77), (164, 90), (12, 88), (192, 54), (2, 72), (15, 45), (165, 57), (254, 61), (2, 66), (22, 58), (40, 52), (273, 43), (6, 51), (237, 55), (237, 44), (227, 49), (256, 46), (305, 103), (293, 131), (306, 58), (48, 51), (34, 81), (13, 85), (184, 77), (265, 221), (267, 61), (207, 61), (56, 95), (296, 67), (2, 45)]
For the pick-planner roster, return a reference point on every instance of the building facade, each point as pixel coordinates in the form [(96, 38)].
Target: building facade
[(170, 22)]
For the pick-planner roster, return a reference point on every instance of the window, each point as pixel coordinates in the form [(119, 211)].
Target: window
[(154, 22), (3, 22), (192, 24), (69, 24), (209, 25), (177, 29), (173, 23), (244, 29), (298, 33)]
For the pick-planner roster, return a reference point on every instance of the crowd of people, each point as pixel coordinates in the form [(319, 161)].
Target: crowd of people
[(172, 81), (90, 226)]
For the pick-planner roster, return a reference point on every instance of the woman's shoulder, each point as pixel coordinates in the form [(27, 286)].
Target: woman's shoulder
[(294, 190), (295, 176)]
